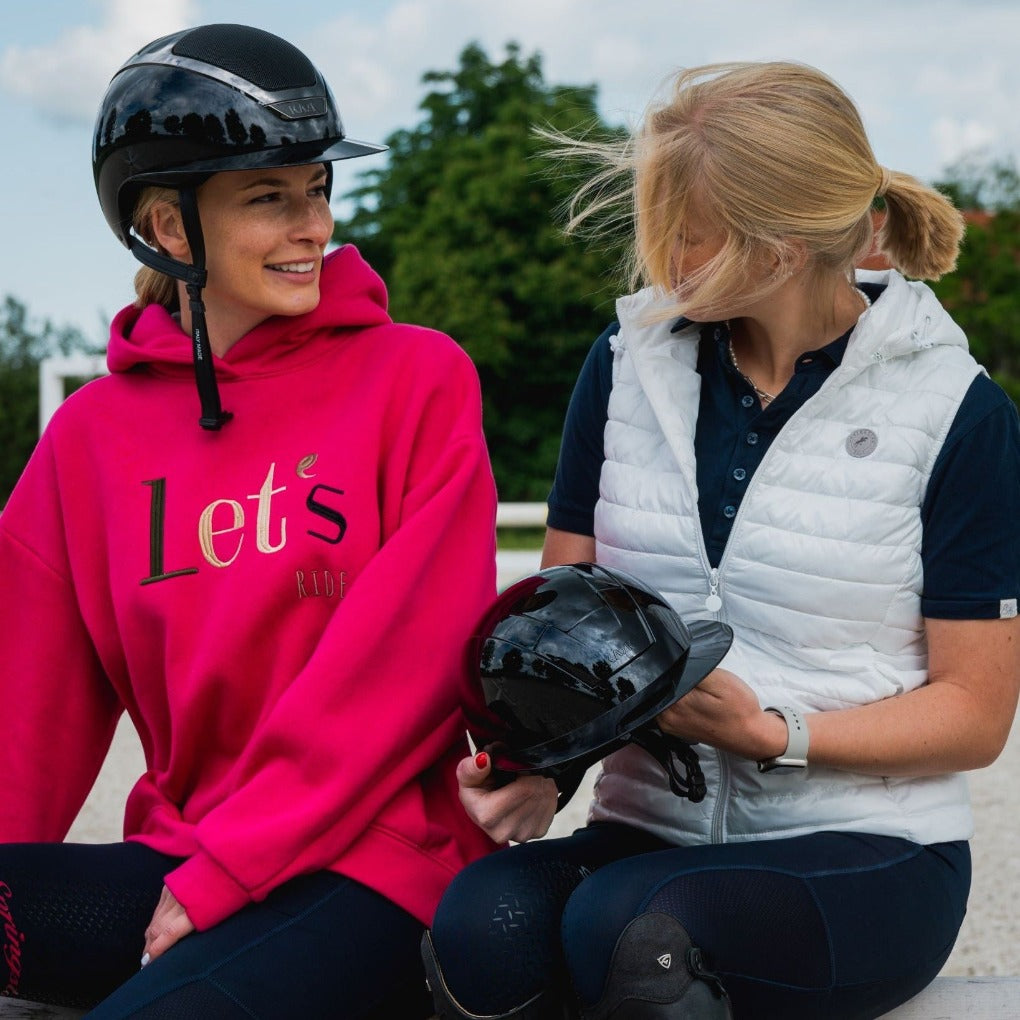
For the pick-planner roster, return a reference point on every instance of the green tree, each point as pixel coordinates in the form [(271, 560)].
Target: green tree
[(983, 294), (22, 346), (463, 225)]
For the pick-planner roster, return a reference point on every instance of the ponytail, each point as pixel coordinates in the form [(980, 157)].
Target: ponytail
[(151, 286), (922, 231), (155, 288)]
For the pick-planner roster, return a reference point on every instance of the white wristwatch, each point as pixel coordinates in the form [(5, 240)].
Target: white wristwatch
[(795, 755)]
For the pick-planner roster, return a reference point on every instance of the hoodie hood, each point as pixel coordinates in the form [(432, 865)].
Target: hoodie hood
[(353, 296)]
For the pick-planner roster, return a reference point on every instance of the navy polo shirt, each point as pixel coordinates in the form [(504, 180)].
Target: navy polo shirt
[(969, 549)]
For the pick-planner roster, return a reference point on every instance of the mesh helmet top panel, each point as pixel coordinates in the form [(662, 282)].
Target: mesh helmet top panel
[(263, 59)]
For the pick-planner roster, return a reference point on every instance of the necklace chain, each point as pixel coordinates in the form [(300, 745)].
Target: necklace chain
[(763, 395)]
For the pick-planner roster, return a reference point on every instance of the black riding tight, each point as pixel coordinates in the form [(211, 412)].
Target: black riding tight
[(319, 946), (835, 925)]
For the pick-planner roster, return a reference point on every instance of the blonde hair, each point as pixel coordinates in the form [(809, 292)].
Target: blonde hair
[(151, 286), (776, 157)]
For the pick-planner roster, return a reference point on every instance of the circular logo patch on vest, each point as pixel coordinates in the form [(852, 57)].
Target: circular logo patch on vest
[(861, 442)]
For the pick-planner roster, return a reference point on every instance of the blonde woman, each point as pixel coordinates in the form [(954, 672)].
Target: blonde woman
[(812, 456)]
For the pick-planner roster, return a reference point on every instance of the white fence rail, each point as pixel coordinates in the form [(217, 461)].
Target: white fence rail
[(52, 375)]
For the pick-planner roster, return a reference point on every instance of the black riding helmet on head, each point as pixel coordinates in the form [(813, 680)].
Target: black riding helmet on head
[(191, 104), (576, 661)]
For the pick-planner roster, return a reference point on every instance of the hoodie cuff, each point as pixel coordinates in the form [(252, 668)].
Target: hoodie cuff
[(206, 891)]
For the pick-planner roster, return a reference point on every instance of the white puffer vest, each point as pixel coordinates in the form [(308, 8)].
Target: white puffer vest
[(821, 576)]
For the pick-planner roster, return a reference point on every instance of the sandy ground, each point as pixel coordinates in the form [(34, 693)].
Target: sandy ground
[(988, 944)]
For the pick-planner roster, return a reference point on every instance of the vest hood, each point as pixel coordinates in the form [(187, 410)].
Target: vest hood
[(906, 318)]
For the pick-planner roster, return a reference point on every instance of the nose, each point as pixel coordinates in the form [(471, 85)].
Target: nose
[(313, 221)]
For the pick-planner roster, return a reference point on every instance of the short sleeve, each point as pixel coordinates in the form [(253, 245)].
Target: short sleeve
[(575, 488), (970, 512)]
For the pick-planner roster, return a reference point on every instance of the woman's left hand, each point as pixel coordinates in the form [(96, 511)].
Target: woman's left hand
[(723, 712), (169, 924)]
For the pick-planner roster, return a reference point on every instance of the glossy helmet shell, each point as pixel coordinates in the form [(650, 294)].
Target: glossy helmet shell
[(575, 659), (218, 97)]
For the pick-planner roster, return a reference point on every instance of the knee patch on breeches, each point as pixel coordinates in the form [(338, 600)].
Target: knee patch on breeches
[(657, 973)]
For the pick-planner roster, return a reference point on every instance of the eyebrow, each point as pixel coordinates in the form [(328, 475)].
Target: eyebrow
[(280, 182)]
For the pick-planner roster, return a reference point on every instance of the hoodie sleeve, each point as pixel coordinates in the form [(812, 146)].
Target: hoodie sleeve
[(59, 709), (381, 698)]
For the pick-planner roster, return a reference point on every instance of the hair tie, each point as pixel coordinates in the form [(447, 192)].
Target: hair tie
[(883, 184)]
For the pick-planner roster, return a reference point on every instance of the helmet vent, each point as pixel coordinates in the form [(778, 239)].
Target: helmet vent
[(265, 60)]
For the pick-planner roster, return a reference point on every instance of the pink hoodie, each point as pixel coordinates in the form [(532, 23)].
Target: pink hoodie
[(281, 607)]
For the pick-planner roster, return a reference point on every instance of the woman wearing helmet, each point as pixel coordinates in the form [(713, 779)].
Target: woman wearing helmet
[(250, 573), (811, 456)]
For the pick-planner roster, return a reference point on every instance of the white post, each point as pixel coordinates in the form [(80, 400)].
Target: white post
[(521, 515), (53, 372)]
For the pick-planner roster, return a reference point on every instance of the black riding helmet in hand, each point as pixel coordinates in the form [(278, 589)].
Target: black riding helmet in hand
[(576, 661), (203, 100)]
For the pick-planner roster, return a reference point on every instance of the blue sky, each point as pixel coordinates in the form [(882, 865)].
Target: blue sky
[(934, 79)]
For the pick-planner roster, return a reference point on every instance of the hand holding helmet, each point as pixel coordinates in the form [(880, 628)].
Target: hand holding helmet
[(577, 661), (505, 811), (725, 712)]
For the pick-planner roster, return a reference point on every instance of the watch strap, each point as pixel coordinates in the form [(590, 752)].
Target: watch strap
[(796, 753)]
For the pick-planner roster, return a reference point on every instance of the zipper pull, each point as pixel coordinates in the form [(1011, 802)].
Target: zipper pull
[(713, 603)]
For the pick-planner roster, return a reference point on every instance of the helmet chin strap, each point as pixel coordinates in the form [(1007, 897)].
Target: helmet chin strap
[(213, 416), (672, 753), (194, 278)]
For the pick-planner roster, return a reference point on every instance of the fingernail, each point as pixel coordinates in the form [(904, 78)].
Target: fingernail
[(145, 960), (482, 760)]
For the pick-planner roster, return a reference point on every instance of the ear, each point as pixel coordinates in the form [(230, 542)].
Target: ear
[(796, 257), (168, 230)]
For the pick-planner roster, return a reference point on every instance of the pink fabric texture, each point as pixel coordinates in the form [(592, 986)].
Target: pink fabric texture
[(282, 607)]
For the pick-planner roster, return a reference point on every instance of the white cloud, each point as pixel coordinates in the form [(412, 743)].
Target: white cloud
[(957, 138), (375, 58), (66, 78), (920, 104)]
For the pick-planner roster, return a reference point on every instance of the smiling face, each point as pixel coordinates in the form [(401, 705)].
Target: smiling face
[(265, 232)]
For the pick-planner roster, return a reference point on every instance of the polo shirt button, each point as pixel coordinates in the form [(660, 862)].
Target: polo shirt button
[(747, 400), (752, 438), (740, 474), (729, 512)]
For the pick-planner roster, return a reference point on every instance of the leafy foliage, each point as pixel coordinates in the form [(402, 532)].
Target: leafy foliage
[(983, 294), (22, 346), (462, 225)]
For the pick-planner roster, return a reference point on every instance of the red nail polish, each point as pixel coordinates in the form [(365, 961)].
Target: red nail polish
[(482, 760)]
